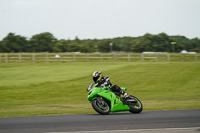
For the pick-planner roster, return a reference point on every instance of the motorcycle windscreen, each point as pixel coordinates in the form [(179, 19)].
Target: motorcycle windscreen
[(90, 87)]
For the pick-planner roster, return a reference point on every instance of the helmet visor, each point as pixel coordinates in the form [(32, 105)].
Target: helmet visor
[(95, 79)]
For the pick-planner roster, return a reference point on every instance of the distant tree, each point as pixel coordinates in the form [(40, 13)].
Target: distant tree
[(195, 45), (182, 43), (74, 47), (13, 43), (142, 44), (77, 39), (123, 43), (104, 46), (62, 46), (161, 43), (43, 42), (88, 46), (154, 43)]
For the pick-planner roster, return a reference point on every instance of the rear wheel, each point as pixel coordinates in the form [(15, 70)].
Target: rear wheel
[(102, 108), (135, 107)]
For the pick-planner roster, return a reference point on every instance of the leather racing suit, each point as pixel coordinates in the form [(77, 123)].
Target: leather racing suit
[(105, 81)]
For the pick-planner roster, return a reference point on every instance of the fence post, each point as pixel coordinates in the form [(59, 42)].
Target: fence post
[(142, 57), (20, 57), (156, 57), (101, 57), (6, 58), (61, 58), (168, 57), (33, 57), (115, 56), (74, 57), (88, 57), (129, 57), (47, 57)]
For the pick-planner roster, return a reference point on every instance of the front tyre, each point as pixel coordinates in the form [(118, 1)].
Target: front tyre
[(135, 107), (102, 108)]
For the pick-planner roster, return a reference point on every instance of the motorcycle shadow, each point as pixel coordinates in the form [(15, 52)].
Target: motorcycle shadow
[(116, 113)]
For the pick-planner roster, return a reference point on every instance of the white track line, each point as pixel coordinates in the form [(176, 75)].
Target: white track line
[(134, 130)]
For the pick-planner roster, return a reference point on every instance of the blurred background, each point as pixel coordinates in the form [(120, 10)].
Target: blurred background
[(95, 26)]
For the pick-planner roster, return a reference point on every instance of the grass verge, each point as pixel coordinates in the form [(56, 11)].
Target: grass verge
[(50, 89)]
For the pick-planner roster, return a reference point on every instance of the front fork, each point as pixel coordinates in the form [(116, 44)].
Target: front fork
[(99, 100)]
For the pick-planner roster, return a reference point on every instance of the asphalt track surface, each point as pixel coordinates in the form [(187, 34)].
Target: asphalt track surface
[(173, 121)]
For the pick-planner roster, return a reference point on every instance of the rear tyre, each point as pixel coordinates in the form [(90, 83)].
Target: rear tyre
[(135, 107), (102, 108)]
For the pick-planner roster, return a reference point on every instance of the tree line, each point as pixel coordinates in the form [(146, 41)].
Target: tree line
[(46, 42)]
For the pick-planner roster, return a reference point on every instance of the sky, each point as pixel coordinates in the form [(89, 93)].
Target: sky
[(99, 19)]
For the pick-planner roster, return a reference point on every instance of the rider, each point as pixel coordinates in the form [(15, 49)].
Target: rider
[(102, 81)]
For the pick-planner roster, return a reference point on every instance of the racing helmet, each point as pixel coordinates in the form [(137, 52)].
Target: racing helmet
[(97, 75)]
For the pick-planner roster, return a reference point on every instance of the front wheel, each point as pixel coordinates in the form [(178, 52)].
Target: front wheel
[(102, 108), (135, 107)]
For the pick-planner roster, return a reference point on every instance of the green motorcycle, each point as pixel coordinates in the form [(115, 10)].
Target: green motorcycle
[(104, 101)]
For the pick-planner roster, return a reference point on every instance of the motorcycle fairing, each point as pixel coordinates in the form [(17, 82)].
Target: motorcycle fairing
[(115, 102)]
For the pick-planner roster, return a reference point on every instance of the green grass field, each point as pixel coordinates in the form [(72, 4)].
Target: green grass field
[(60, 88)]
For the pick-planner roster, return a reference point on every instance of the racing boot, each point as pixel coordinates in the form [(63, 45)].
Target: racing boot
[(128, 98)]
